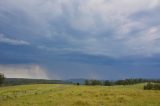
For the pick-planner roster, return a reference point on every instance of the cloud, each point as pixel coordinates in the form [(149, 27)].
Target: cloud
[(24, 71), (10, 41), (113, 37), (94, 27)]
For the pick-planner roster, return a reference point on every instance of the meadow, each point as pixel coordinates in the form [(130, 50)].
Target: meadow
[(73, 95)]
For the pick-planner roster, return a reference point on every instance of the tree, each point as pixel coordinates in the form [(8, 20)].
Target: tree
[(1, 78), (96, 82), (152, 86), (93, 82), (86, 82), (107, 83), (149, 86)]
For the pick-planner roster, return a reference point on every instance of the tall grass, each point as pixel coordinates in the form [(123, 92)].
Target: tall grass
[(72, 95)]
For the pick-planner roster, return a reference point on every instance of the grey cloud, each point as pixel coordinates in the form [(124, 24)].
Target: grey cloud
[(102, 27), (11, 41)]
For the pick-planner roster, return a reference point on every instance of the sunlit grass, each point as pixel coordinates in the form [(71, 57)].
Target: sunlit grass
[(72, 95)]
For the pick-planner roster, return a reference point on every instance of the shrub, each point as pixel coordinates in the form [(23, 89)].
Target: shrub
[(152, 86)]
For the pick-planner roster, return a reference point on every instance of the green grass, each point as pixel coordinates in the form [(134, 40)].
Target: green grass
[(72, 95)]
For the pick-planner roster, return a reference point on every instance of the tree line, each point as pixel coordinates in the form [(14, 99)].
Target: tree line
[(152, 84), (119, 82)]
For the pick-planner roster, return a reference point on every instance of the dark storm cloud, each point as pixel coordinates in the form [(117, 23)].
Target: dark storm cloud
[(111, 36)]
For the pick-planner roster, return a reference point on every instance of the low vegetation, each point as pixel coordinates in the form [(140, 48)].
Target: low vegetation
[(73, 95), (98, 93), (152, 86)]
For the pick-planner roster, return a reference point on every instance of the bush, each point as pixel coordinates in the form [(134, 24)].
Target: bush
[(152, 86)]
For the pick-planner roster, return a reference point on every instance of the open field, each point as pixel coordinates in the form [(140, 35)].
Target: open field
[(72, 95)]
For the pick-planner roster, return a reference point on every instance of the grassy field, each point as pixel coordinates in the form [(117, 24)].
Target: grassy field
[(72, 95)]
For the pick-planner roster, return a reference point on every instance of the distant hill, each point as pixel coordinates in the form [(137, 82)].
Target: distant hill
[(23, 81)]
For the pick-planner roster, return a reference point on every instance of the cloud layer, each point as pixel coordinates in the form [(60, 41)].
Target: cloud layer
[(117, 33), (96, 27), (10, 41)]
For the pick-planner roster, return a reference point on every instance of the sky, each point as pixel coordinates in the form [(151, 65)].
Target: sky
[(94, 39)]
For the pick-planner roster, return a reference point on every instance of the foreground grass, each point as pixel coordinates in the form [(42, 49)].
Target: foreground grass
[(72, 95)]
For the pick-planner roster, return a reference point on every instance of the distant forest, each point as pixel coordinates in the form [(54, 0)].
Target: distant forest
[(121, 82), (21, 81)]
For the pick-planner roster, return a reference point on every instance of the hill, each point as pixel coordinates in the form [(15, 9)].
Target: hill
[(23, 81)]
